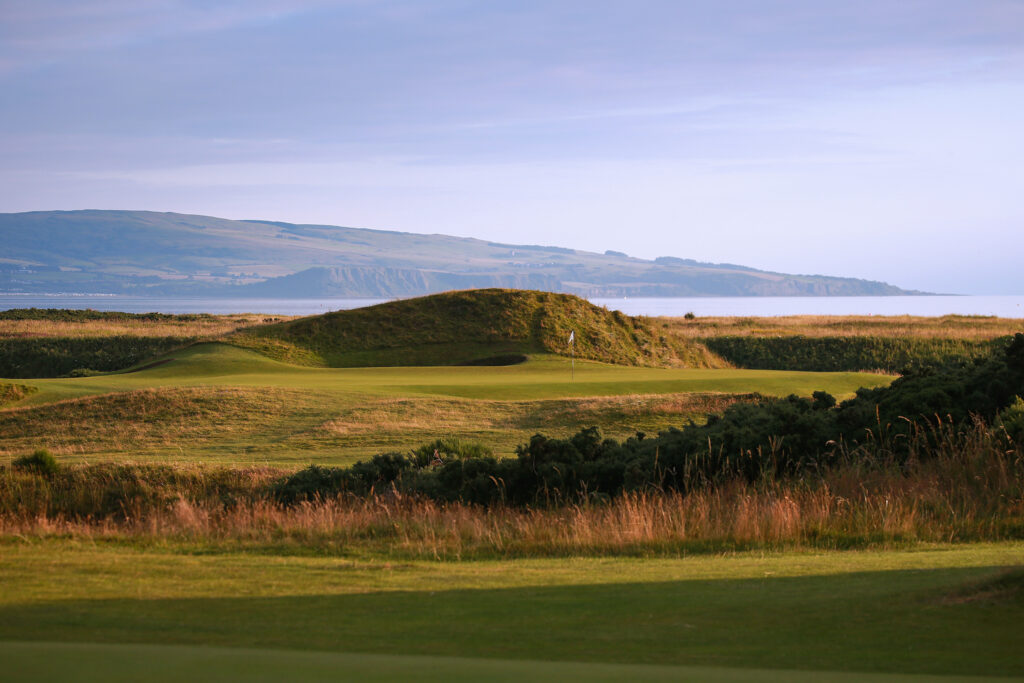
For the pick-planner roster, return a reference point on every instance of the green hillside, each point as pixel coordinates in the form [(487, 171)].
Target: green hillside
[(485, 327), (171, 254)]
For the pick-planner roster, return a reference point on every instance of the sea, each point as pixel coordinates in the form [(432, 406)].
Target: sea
[(1011, 306)]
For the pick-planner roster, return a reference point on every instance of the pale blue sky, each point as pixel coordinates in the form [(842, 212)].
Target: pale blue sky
[(878, 139)]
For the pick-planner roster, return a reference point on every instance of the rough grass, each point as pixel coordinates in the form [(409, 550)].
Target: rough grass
[(460, 327), (966, 327), (263, 424), (180, 422), (42, 323), (12, 393)]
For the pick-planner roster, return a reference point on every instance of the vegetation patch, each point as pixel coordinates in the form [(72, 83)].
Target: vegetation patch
[(463, 327), (59, 322), (41, 462), (976, 327), (12, 393), (172, 418), (838, 354), (60, 356)]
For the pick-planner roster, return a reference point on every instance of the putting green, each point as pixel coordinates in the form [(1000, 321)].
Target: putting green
[(540, 377)]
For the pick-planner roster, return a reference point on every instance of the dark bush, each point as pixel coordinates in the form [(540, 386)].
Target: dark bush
[(41, 462), (59, 356), (312, 483)]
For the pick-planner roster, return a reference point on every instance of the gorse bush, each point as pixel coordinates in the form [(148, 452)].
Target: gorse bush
[(1011, 420), (40, 462), (316, 482), (58, 356), (449, 448)]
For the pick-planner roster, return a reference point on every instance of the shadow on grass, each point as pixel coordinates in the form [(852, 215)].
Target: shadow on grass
[(893, 621)]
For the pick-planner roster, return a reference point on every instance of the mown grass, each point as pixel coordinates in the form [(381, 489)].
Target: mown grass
[(850, 611), (157, 663)]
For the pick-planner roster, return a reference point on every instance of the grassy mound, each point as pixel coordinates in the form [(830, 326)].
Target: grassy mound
[(12, 393), (471, 327)]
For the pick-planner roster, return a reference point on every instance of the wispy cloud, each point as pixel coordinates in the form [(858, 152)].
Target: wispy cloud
[(48, 30)]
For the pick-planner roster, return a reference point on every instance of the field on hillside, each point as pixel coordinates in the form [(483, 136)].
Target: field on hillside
[(218, 403)]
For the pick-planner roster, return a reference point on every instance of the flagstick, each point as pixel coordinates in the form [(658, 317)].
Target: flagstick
[(572, 352)]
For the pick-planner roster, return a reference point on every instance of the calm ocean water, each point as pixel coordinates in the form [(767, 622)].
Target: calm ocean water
[(1004, 306)]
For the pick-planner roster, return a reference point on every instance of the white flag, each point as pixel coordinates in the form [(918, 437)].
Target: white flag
[(572, 336)]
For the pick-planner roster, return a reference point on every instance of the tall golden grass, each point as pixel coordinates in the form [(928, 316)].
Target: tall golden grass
[(206, 327), (904, 326), (959, 484)]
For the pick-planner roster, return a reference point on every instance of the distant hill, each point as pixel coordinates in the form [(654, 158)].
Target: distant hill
[(479, 327), (170, 254)]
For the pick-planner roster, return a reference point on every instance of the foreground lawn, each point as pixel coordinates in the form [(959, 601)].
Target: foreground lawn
[(934, 611), (217, 403), (108, 663)]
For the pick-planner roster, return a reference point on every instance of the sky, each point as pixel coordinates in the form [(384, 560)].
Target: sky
[(873, 139)]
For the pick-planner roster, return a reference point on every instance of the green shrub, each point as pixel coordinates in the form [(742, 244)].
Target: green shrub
[(41, 462), (60, 356), (1011, 419), (449, 448)]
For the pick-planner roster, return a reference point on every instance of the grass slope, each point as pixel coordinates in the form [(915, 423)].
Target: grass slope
[(461, 327), (866, 612)]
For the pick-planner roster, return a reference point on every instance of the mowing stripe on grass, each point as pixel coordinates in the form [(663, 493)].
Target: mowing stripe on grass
[(86, 662)]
